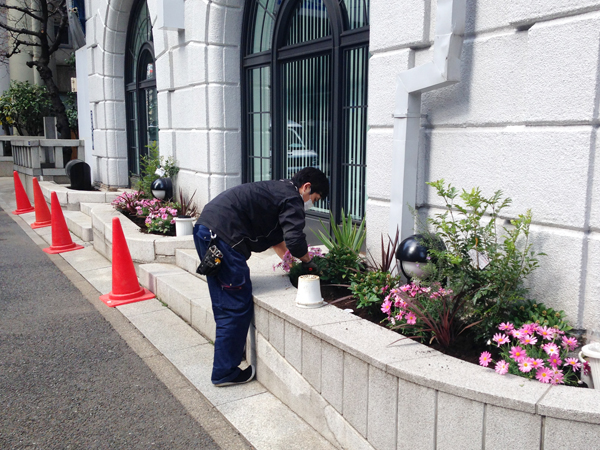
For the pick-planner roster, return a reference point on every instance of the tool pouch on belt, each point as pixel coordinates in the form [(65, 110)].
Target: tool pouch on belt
[(213, 258)]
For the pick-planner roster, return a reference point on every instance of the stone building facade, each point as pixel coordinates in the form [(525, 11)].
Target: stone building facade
[(523, 116)]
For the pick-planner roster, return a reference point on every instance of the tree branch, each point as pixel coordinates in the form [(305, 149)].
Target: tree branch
[(19, 31), (64, 22), (27, 11)]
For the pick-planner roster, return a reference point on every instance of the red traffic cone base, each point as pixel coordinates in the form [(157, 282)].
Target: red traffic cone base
[(125, 285), (61, 238), (23, 205), (42, 213)]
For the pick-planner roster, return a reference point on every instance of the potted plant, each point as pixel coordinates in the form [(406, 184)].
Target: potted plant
[(186, 215)]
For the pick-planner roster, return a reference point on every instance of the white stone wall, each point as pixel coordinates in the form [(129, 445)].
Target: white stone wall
[(198, 76), (522, 119)]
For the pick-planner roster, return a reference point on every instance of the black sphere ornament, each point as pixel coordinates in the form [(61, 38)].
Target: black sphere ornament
[(412, 253), (162, 189)]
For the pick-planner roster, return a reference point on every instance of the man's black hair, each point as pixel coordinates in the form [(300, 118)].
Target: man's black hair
[(318, 181)]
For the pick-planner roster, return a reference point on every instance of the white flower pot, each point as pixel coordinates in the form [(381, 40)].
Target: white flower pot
[(309, 292), (184, 226), (591, 354)]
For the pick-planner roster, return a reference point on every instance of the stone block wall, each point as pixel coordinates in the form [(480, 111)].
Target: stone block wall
[(522, 119), (198, 83), (362, 386)]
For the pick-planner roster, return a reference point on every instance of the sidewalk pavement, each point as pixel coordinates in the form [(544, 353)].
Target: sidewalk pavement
[(256, 414)]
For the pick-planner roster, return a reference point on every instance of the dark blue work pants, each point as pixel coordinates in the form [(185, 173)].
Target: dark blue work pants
[(231, 296)]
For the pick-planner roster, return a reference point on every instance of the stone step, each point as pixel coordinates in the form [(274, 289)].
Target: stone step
[(185, 294), (260, 417), (80, 225), (188, 260)]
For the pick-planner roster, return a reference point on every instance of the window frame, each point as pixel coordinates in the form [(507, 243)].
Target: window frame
[(342, 38)]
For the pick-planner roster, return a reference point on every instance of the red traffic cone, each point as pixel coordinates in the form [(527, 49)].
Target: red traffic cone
[(61, 238), (42, 213), (125, 285), (23, 205)]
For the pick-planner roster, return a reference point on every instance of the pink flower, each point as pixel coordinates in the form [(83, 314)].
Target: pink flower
[(506, 326), (528, 340), (501, 367), (558, 378), (537, 363), (554, 361), (526, 365), (517, 353), (411, 319), (164, 217), (530, 328), (517, 334), (545, 333), (569, 342), (551, 348), (485, 359), (386, 306), (573, 363), (500, 339), (544, 375)]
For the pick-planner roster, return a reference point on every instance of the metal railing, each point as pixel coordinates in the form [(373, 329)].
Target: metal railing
[(42, 157)]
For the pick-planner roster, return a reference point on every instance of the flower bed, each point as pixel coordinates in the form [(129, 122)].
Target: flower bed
[(151, 215)]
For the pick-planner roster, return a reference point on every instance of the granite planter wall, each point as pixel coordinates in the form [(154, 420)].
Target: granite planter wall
[(362, 386)]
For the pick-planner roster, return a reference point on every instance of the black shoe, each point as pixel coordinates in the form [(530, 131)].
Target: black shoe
[(244, 376)]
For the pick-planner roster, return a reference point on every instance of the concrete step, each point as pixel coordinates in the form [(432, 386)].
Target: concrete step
[(188, 260), (260, 417), (80, 224)]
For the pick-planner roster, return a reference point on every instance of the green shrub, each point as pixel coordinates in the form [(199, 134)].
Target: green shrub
[(24, 107), (371, 288), (530, 311), (485, 265), (339, 266), (149, 164)]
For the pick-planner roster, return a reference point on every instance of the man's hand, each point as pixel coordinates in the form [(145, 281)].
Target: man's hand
[(310, 268)]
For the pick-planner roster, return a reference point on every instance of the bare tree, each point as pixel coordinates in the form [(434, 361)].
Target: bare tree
[(27, 23)]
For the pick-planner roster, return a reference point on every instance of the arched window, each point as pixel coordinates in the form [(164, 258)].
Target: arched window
[(140, 87), (305, 65)]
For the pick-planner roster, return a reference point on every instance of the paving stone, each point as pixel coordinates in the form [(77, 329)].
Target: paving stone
[(255, 415), (144, 307), (86, 259), (195, 363), (166, 331)]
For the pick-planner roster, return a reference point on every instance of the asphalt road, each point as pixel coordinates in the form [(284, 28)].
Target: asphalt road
[(67, 378)]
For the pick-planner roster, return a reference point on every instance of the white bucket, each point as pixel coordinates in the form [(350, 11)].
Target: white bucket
[(591, 354), (309, 292), (184, 226)]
